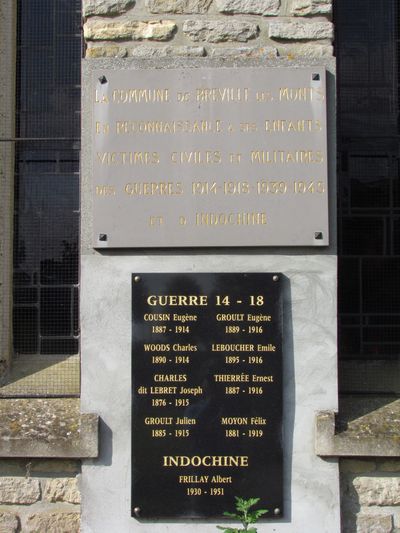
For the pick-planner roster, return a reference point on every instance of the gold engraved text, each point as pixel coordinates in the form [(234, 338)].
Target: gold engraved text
[(229, 461)]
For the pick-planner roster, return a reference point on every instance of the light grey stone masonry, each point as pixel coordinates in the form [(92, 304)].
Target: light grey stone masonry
[(62, 490), (254, 7), (65, 522), (266, 52), (378, 490), (147, 52), (294, 50), (375, 524), (301, 8), (217, 31), (9, 522), (370, 495), (96, 29), (300, 30), (178, 6), (19, 490), (106, 7)]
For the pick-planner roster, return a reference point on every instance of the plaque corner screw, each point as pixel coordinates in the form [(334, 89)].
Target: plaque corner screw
[(137, 511), (275, 278), (103, 79), (136, 279), (277, 511), (315, 77), (318, 236), (103, 237)]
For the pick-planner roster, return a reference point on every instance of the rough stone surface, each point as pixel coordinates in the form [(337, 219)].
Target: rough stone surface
[(53, 522), (253, 7), (47, 428), (213, 31), (126, 29), (301, 8), (9, 522), (378, 490), (178, 6), (357, 466), (62, 490), (300, 30), (106, 7), (363, 428), (106, 51), (375, 524), (265, 52), (19, 490), (148, 52), (372, 417), (291, 51)]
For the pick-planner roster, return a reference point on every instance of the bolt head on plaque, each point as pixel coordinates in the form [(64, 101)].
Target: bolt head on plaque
[(275, 278), (137, 511), (136, 279), (277, 511)]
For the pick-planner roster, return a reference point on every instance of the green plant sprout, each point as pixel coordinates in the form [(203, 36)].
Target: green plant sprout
[(244, 515)]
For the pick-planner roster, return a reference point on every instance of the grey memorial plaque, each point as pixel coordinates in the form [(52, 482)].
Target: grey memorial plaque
[(210, 157)]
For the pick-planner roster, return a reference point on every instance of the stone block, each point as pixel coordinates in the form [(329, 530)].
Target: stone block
[(148, 52), (94, 52), (302, 8), (53, 522), (127, 29), (375, 524), (106, 7), (19, 490), (300, 30), (47, 428), (252, 7), (218, 31), (9, 522), (179, 7), (263, 52), (378, 490), (291, 51), (62, 490)]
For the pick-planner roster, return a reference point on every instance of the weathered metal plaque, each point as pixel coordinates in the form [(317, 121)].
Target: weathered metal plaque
[(207, 393), (210, 157)]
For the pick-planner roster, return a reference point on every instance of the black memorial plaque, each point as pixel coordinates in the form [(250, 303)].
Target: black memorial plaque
[(207, 393)]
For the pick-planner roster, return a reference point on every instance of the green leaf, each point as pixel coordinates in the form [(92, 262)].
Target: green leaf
[(241, 505), (255, 515), (244, 515), (251, 502)]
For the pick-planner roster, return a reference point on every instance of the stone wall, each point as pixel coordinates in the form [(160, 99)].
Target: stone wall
[(370, 493), (215, 28), (38, 496)]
